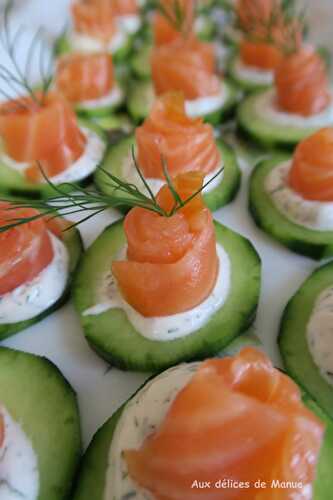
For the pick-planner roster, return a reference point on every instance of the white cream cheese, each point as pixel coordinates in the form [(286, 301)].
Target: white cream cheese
[(80, 169), (200, 23), (130, 24), (266, 108), (88, 44), (113, 98), (206, 105), (88, 161), (141, 417), (251, 73), (315, 215), (171, 327), (319, 334), (131, 175), (32, 298), (19, 475)]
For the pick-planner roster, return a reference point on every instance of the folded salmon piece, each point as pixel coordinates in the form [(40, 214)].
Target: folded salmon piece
[(238, 420), (171, 262)]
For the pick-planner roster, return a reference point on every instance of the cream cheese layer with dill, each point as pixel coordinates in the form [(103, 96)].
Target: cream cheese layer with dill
[(129, 23), (319, 333), (34, 297), (206, 105), (113, 98), (201, 106), (129, 172), (19, 474), (255, 75), (316, 215), (267, 109), (166, 328), (85, 43), (84, 166), (142, 415)]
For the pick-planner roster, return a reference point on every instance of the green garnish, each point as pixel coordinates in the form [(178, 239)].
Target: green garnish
[(176, 15), (18, 79), (81, 200), (285, 15)]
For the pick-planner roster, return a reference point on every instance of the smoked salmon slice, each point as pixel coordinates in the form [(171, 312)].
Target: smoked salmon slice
[(171, 262), (165, 31), (124, 7), (311, 174), (270, 33), (186, 65), (45, 131), (84, 77), (186, 144), (260, 55), (302, 84), (25, 250), (238, 420), (94, 18), (252, 13)]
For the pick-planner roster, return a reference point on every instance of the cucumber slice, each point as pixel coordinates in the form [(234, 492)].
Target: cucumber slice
[(309, 242), (74, 245), (118, 155), (248, 339), (245, 150), (63, 46), (205, 27), (140, 62), (141, 97), (245, 84), (293, 343), (266, 132), (14, 184), (37, 396), (92, 477), (114, 122), (114, 338)]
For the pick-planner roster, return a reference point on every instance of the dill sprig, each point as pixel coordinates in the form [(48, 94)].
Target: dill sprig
[(18, 79), (283, 27), (71, 198), (176, 15)]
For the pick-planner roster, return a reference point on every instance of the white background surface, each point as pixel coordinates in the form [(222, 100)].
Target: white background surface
[(59, 337)]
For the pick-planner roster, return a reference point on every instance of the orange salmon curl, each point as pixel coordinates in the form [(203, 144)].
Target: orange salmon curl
[(185, 143), (302, 84), (124, 7), (94, 18), (165, 32), (25, 250), (47, 132), (84, 77), (186, 65), (171, 263), (254, 12), (311, 174), (270, 34), (240, 420), (260, 55)]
